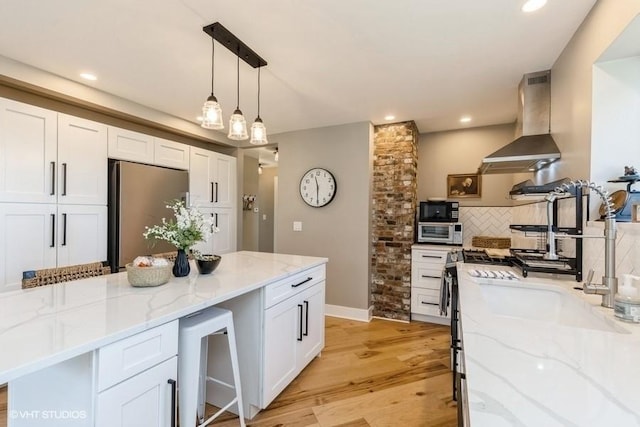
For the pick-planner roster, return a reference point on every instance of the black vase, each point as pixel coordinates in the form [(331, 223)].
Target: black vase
[(181, 266)]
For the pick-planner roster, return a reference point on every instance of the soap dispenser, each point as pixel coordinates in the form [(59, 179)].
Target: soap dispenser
[(627, 300)]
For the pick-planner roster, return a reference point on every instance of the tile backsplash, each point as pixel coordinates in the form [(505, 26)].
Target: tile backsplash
[(495, 221)]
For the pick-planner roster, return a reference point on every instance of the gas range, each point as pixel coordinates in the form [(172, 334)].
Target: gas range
[(480, 256)]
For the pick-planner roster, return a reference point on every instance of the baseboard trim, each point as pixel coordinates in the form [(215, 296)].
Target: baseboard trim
[(391, 320), (358, 314)]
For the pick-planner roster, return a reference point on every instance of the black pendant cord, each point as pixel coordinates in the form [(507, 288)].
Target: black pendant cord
[(259, 92), (213, 50), (238, 87)]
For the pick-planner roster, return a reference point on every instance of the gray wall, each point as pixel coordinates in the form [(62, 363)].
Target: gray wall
[(460, 152), (250, 218), (266, 205), (340, 230)]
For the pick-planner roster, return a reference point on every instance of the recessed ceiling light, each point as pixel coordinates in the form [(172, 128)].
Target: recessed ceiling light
[(89, 76), (465, 119), (533, 5), (389, 117)]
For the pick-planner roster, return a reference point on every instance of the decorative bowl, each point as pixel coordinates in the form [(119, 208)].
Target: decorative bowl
[(208, 263), (148, 276)]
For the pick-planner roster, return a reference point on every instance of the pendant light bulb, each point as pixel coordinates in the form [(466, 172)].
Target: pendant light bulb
[(211, 111), (258, 130), (276, 155), (259, 168), (237, 123)]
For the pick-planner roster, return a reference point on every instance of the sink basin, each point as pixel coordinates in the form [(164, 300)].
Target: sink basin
[(545, 303)]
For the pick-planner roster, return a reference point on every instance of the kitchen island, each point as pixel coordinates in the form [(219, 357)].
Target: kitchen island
[(537, 352), (59, 331)]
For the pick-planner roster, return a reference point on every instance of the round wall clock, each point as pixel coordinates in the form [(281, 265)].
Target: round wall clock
[(318, 187)]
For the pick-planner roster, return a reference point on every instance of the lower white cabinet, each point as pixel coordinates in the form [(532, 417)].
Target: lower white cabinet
[(144, 400), (36, 236), (427, 265), (293, 336)]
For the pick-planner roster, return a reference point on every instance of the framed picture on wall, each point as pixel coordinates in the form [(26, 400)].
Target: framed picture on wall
[(464, 185)]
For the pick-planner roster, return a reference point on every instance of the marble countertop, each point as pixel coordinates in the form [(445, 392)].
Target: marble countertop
[(523, 372), (43, 326)]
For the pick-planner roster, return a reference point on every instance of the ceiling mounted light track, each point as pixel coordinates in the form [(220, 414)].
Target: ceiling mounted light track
[(237, 122)]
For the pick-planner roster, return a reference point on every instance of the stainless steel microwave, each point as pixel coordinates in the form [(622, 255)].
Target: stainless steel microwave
[(449, 233), (439, 211)]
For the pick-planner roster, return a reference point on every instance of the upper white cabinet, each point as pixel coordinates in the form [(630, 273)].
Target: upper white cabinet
[(48, 157), (82, 161), (171, 154), (128, 145), (28, 155), (212, 179)]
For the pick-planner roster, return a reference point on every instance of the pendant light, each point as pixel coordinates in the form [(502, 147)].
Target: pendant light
[(211, 111), (258, 131), (259, 168), (237, 123), (276, 155)]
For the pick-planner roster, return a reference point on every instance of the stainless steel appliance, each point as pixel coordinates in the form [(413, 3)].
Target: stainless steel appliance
[(138, 195), (439, 211), (448, 233)]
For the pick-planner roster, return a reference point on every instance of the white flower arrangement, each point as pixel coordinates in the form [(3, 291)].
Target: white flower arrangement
[(189, 227)]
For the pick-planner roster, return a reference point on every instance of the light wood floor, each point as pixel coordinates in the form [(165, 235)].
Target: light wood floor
[(378, 374)]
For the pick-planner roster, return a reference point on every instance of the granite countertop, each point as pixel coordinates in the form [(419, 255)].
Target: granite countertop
[(524, 372), (43, 326)]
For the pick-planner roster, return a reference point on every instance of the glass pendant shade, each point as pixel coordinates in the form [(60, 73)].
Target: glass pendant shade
[(212, 114), (258, 133), (237, 126)]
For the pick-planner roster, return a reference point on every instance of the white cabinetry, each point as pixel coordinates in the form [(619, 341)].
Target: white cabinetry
[(427, 265), (28, 146), (171, 154), (128, 145), (53, 190), (224, 241), (212, 179), (136, 379), (293, 330)]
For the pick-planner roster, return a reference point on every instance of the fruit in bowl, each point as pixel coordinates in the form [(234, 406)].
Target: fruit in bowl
[(148, 271)]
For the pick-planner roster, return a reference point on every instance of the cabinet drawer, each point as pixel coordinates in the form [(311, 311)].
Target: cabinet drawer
[(127, 357), (429, 256), (426, 277), (425, 301), (283, 289)]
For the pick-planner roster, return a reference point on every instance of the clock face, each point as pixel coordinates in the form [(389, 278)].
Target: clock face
[(318, 187)]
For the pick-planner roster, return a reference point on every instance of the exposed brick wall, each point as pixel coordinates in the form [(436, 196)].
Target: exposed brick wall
[(395, 165)]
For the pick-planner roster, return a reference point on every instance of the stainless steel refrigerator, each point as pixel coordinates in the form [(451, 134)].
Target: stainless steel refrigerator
[(138, 196)]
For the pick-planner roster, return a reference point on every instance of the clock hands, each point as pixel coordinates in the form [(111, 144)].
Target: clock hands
[(317, 192)]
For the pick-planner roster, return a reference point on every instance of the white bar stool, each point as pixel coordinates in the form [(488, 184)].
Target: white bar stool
[(192, 365)]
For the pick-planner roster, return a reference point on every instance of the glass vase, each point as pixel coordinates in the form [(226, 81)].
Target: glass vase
[(181, 266)]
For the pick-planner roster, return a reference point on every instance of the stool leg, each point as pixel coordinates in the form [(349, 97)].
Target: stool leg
[(188, 373), (231, 336), (202, 379)]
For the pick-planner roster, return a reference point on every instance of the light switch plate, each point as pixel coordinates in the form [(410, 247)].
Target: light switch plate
[(297, 225)]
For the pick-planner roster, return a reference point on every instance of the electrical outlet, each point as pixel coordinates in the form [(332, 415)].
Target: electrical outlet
[(297, 225)]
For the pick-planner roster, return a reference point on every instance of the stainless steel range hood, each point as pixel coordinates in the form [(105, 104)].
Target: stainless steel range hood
[(534, 148)]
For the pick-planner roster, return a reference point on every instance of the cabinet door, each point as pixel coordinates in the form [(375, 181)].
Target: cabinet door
[(171, 154), (82, 234), (82, 158), (282, 332), (128, 145), (224, 241), (143, 400), (27, 153), (201, 185), (27, 240), (313, 324), (224, 181)]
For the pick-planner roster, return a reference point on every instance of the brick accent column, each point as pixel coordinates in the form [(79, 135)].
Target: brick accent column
[(395, 165)]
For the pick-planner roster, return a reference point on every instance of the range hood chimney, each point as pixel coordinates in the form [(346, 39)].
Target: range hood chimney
[(534, 148)]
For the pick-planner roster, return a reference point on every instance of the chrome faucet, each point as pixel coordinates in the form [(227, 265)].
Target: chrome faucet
[(609, 286)]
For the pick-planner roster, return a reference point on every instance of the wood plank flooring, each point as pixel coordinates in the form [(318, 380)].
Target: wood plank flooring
[(377, 374)]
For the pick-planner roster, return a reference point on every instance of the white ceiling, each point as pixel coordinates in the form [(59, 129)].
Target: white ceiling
[(330, 61)]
